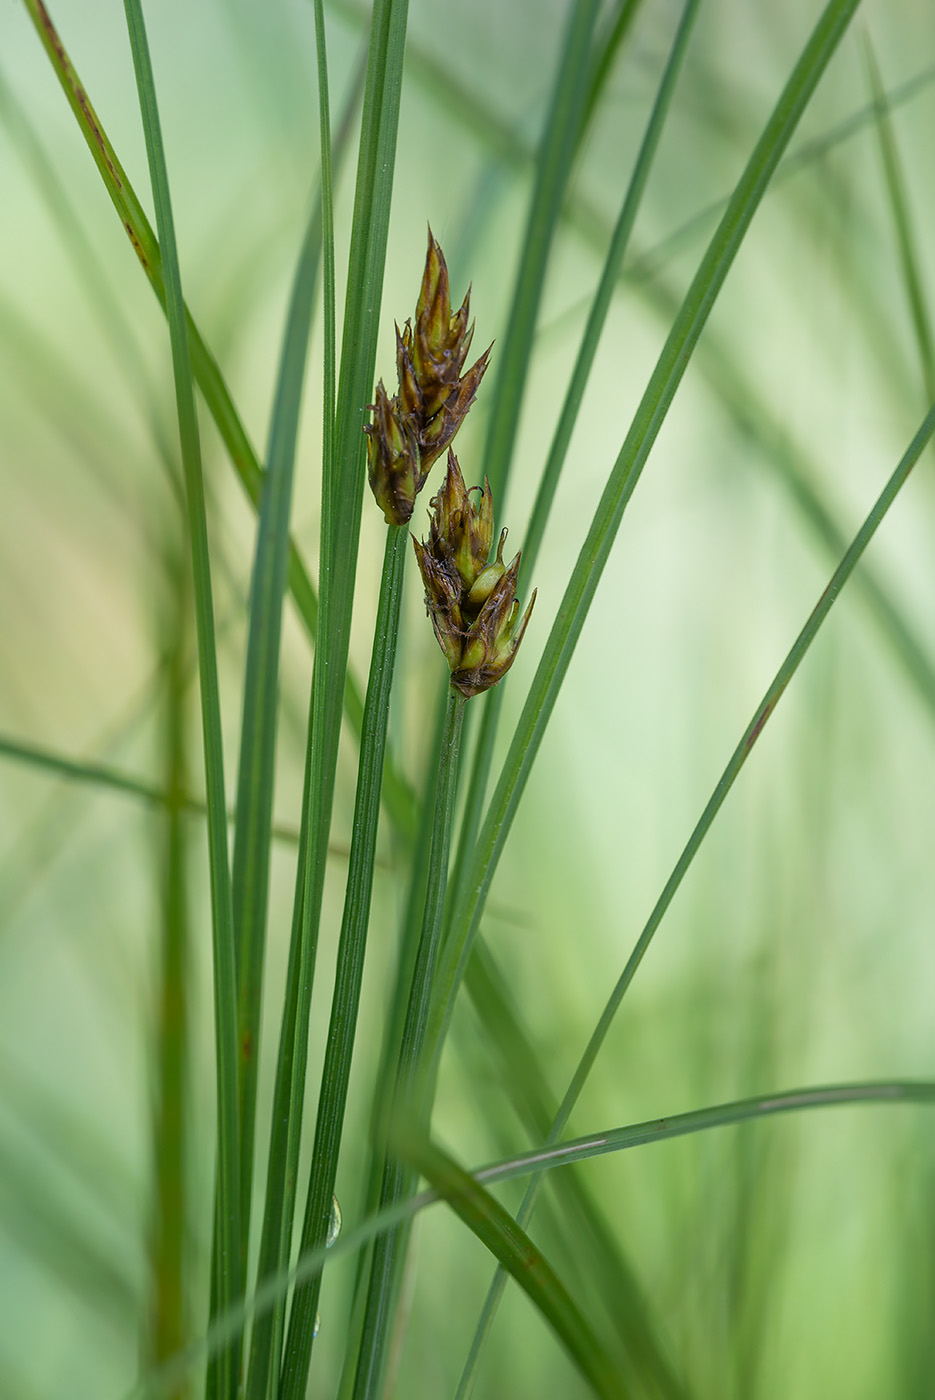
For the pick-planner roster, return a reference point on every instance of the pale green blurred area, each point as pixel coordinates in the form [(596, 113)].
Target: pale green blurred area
[(788, 1259)]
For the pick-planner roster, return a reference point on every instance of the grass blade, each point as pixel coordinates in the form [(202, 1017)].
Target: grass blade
[(902, 219), (607, 46), (228, 1279), (167, 1328), (700, 1120), (335, 1073), (411, 1067), (252, 835), (626, 472), (553, 166)]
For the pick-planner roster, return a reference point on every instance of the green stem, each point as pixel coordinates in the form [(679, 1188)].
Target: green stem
[(228, 1279), (398, 1178), (346, 998), (167, 1314)]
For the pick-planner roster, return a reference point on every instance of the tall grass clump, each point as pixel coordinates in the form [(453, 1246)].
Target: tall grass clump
[(302, 920)]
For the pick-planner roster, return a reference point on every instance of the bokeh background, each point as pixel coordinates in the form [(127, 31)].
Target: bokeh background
[(792, 1258)]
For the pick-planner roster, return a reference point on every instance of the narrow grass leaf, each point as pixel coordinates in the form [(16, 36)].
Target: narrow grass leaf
[(229, 1275), (610, 274), (335, 1075), (167, 1324), (409, 1088), (626, 472), (698, 1120), (613, 35), (902, 221), (553, 166), (253, 830)]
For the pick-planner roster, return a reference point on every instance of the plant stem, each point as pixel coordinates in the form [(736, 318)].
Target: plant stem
[(337, 1066), (398, 1178), (228, 1279)]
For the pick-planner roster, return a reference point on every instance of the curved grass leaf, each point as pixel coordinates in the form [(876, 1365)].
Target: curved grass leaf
[(229, 1273), (700, 1120), (159, 1383)]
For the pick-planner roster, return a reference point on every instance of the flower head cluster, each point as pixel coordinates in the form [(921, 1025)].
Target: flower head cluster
[(470, 597), (411, 430)]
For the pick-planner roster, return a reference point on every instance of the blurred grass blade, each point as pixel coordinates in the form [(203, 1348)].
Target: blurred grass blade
[(253, 829), (496, 1229), (229, 1264), (92, 273), (167, 1323), (902, 220), (553, 166), (397, 794), (600, 306), (613, 35), (798, 474), (615, 1278), (650, 415), (49, 1229), (81, 771), (342, 496)]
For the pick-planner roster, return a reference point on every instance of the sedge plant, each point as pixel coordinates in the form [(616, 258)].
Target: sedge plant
[(401, 983)]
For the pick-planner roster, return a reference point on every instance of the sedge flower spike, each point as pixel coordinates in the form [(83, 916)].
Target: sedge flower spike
[(411, 430), (470, 597)]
